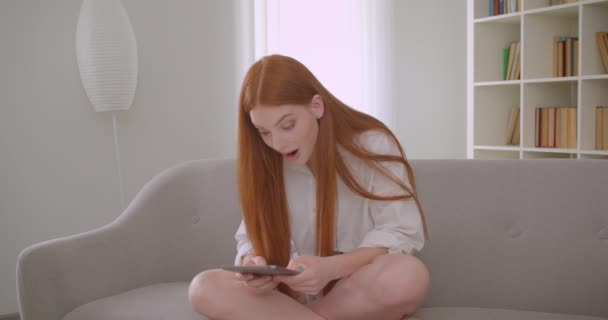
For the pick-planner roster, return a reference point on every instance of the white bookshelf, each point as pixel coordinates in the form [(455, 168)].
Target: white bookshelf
[(491, 99)]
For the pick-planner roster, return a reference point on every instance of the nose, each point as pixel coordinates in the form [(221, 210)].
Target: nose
[(278, 143)]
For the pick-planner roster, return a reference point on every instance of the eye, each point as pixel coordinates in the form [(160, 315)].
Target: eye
[(289, 126), (264, 133)]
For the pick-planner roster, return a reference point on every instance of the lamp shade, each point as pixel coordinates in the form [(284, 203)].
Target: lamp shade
[(106, 51)]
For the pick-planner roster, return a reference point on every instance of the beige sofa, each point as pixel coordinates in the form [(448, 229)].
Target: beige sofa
[(510, 239)]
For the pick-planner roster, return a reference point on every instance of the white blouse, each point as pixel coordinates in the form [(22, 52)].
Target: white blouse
[(395, 225)]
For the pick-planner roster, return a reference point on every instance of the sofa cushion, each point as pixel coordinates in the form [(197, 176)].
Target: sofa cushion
[(168, 301), (457, 313), (164, 301)]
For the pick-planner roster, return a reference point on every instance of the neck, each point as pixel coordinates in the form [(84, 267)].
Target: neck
[(311, 164)]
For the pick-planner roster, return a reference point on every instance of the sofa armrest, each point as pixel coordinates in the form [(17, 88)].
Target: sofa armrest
[(56, 276), (173, 229)]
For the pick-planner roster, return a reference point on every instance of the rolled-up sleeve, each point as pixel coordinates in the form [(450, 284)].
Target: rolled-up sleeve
[(397, 224), (243, 245)]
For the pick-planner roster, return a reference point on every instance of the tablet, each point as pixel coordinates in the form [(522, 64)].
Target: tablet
[(270, 270)]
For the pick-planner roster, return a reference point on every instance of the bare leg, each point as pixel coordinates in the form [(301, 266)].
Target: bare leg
[(218, 295), (390, 287)]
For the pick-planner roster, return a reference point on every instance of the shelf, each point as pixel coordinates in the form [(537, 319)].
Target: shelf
[(488, 60), (497, 148), (481, 13), (551, 80), (511, 18), (497, 152), (595, 77), (540, 29), (594, 92), (498, 83), (493, 108), (596, 3), (550, 150), (595, 152), (535, 7), (595, 19), (569, 10), (490, 100), (547, 80)]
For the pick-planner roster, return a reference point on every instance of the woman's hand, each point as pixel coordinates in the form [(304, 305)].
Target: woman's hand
[(316, 273), (260, 284)]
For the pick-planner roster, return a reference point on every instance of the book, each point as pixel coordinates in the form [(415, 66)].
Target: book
[(511, 56), (558, 128), (560, 58), (605, 34), (572, 127), (599, 134), (516, 133), (555, 57), (601, 43), (605, 129), (537, 127), (513, 74), (558, 2), (512, 124), (575, 57), (563, 128), (568, 58), (551, 128), (517, 75), (505, 63), (544, 127)]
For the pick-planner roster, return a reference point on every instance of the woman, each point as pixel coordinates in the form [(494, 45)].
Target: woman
[(317, 178)]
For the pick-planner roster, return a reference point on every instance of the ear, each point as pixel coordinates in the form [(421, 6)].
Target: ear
[(316, 106)]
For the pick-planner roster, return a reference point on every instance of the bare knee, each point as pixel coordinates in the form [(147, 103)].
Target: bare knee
[(402, 281), (204, 291)]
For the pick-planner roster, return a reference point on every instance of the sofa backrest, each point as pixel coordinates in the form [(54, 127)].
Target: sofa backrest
[(522, 234), (190, 212)]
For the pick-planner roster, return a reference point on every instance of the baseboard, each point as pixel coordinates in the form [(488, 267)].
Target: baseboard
[(13, 316)]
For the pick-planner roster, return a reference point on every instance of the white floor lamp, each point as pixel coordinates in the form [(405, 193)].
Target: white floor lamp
[(107, 60)]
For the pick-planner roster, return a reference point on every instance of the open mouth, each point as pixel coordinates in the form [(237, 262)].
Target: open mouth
[(292, 155)]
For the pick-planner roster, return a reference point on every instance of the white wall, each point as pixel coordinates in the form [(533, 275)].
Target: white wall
[(429, 115), (57, 170)]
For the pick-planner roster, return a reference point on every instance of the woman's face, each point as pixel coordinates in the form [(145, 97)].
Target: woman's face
[(290, 130)]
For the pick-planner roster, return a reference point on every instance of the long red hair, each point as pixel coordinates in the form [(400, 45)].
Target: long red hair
[(277, 80)]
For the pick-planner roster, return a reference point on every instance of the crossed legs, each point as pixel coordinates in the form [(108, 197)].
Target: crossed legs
[(390, 287)]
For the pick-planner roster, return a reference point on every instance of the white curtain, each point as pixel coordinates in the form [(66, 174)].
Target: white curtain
[(345, 43)]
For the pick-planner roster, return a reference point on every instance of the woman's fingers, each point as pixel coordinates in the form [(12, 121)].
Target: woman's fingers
[(244, 277), (259, 281), (268, 285), (259, 261)]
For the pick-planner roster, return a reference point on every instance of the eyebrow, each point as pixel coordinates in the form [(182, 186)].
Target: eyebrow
[(281, 119)]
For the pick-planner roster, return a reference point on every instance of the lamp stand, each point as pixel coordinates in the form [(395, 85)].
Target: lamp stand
[(118, 166)]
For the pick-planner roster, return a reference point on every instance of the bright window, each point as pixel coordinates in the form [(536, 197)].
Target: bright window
[(326, 36)]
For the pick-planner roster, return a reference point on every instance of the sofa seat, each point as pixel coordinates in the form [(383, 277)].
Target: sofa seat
[(168, 301), (164, 301), (460, 313)]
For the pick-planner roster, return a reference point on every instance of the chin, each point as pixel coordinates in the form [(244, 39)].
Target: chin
[(302, 160)]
